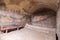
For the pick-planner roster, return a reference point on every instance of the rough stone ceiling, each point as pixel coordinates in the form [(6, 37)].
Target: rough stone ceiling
[(29, 6)]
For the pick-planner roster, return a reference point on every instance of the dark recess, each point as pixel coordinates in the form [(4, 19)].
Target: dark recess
[(43, 11)]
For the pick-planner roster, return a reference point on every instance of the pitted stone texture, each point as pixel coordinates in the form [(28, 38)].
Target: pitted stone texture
[(29, 6), (44, 21)]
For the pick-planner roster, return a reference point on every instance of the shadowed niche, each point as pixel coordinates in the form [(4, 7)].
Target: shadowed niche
[(44, 15), (2, 4), (44, 11)]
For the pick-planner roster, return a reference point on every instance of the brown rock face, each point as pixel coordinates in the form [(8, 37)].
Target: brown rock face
[(29, 6)]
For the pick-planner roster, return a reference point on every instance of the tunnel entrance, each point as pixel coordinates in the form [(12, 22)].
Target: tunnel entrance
[(44, 17)]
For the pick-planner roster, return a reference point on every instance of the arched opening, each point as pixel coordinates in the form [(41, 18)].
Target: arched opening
[(44, 17), (41, 11)]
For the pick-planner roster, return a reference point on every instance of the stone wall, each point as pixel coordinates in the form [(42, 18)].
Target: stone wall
[(28, 6), (49, 22), (58, 23)]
